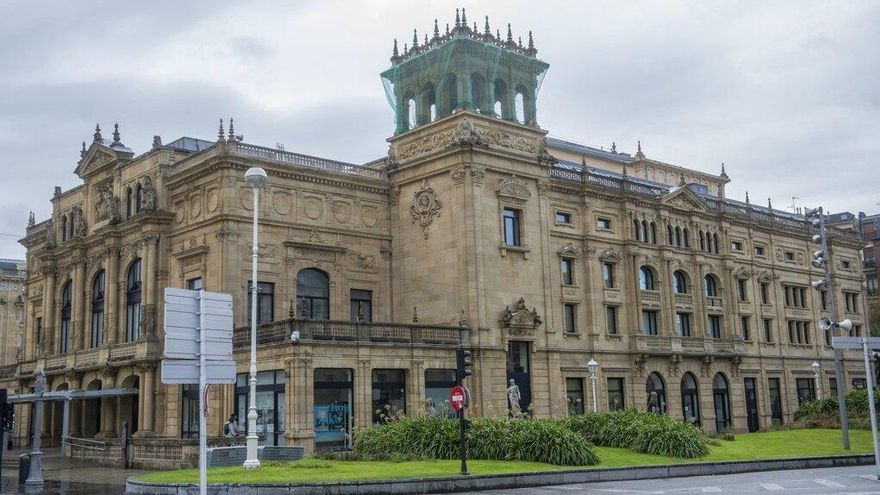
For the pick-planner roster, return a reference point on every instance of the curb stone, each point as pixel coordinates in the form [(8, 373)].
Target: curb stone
[(498, 481)]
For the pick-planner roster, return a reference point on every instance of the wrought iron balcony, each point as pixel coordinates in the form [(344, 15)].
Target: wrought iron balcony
[(313, 331)]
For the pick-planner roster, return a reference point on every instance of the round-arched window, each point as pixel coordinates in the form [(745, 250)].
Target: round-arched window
[(679, 282), (313, 294), (646, 278), (656, 393)]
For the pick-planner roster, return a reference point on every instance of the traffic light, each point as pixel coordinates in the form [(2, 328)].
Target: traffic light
[(464, 364)]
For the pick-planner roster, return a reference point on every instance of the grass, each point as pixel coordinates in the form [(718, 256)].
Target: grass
[(772, 445)]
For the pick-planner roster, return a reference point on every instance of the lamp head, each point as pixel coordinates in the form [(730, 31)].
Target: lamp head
[(818, 263), (815, 367), (815, 222), (818, 284), (811, 212), (256, 177), (593, 366), (817, 239)]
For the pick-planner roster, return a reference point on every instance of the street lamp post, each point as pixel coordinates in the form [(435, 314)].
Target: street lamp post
[(815, 367), (256, 178), (593, 366)]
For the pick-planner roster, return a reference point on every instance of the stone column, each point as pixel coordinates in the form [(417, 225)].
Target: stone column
[(149, 275), (74, 382), (108, 405), (78, 339), (147, 404), (111, 296), (48, 311)]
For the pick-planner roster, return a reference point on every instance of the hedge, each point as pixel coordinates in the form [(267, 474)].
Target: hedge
[(824, 413)]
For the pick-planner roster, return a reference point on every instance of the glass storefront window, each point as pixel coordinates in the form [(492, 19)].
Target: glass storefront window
[(189, 420), (269, 402), (389, 394), (616, 397), (333, 408), (437, 386), (574, 391)]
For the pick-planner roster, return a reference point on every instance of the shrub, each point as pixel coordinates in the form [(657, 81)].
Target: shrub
[(824, 413), (641, 431), (537, 440)]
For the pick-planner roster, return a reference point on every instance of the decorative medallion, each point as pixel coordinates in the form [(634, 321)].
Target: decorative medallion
[(213, 200), (341, 211), (195, 206), (312, 208), (180, 211), (281, 202), (425, 207), (247, 198), (368, 215)]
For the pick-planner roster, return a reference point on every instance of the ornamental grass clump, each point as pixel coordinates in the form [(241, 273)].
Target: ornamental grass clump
[(537, 440)]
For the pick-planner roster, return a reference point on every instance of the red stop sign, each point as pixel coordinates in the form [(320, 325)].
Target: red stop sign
[(458, 397)]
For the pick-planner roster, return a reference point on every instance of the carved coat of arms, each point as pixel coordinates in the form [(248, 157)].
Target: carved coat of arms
[(425, 207)]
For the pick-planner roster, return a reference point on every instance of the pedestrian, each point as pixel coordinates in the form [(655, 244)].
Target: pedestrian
[(230, 429)]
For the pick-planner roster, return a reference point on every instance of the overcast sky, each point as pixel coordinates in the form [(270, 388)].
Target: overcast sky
[(785, 93)]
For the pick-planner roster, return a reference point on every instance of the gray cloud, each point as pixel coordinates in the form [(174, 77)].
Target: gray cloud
[(783, 92)]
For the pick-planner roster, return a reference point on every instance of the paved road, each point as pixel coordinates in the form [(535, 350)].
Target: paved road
[(838, 481)]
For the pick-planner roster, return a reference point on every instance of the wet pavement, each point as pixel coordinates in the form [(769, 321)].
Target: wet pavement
[(65, 476)]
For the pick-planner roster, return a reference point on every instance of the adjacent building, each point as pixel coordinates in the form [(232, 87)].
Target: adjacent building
[(477, 230), (13, 274)]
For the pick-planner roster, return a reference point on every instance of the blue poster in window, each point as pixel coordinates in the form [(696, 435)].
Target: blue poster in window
[(331, 421)]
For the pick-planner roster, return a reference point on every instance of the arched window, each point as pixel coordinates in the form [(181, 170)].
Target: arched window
[(679, 282), (479, 94), (137, 198), (721, 400), (97, 327), (678, 236), (715, 243), (520, 107), (702, 241), (451, 91), (645, 237), (499, 97), (656, 393), (129, 207), (670, 238), (646, 278), (428, 110), (411, 112), (63, 228), (690, 399), (687, 238), (133, 284), (711, 286), (313, 294), (637, 230), (66, 298), (653, 233)]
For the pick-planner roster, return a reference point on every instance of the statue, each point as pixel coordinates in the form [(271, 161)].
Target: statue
[(50, 234), (148, 195), (107, 205), (40, 383), (653, 402), (79, 223), (514, 397), (466, 135)]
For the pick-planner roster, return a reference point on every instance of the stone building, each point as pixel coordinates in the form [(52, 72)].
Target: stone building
[(477, 229), (12, 279)]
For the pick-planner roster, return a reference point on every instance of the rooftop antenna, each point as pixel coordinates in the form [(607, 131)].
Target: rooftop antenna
[(793, 207)]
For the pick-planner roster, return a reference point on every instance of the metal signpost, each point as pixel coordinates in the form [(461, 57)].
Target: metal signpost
[(866, 344), (198, 349)]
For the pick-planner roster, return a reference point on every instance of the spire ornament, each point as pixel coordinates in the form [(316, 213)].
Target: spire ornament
[(221, 134), (769, 205), (639, 153), (509, 35), (116, 133), (747, 198), (415, 39), (447, 29), (457, 19), (436, 30), (463, 18), (723, 172), (681, 181), (486, 30), (231, 129), (531, 43), (97, 135), (613, 147), (83, 151)]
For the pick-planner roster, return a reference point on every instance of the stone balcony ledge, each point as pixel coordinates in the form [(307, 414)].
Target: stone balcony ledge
[(115, 354), (314, 331), (674, 344)]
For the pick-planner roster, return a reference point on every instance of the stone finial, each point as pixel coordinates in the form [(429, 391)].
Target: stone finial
[(415, 318), (475, 27), (426, 40), (613, 147), (116, 133), (624, 170), (31, 220), (747, 197), (769, 204), (639, 153), (463, 18), (457, 19), (97, 135), (531, 42), (723, 172), (583, 161), (405, 49), (57, 193), (519, 42), (681, 181), (436, 29), (447, 29), (509, 34), (486, 30), (231, 129), (83, 151), (498, 34), (415, 39), (221, 134), (157, 141), (394, 53)]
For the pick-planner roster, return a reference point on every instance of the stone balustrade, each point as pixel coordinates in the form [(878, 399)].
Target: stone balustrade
[(674, 344), (279, 332)]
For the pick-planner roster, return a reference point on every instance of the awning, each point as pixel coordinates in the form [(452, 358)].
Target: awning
[(73, 394)]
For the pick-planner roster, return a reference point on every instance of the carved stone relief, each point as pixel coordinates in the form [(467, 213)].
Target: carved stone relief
[(281, 202), (213, 200), (369, 215), (425, 207), (195, 206), (313, 207), (342, 211)]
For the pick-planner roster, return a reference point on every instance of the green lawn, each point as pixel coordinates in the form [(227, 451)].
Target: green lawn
[(772, 445)]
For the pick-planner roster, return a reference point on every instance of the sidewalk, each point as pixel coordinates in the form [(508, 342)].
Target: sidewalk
[(67, 476)]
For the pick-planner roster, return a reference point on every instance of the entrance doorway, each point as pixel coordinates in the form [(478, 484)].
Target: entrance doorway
[(333, 409), (518, 371), (751, 404), (721, 398), (690, 399)]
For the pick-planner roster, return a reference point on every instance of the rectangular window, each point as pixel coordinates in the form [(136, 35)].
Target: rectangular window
[(852, 302), (265, 302), (827, 338), (765, 293), (823, 300), (775, 393), (569, 314), (855, 332), (683, 324), (759, 251), (189, 421), (563, 217), (565, 267), (805, 390), (39, 333), (603, 223), (649, 322), (742, 289), (715, 326), (511, 227), (437, 385), (736, 245), (333, 400), (799, 332), (616, 395), (608, 275), (795, 297), (768, 330), (389, 395), (611, 319), (859, 383), (789, 256), (744, 327), (574, 391), (361, 305), (270, 401), (195, 283), (832, 386)]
